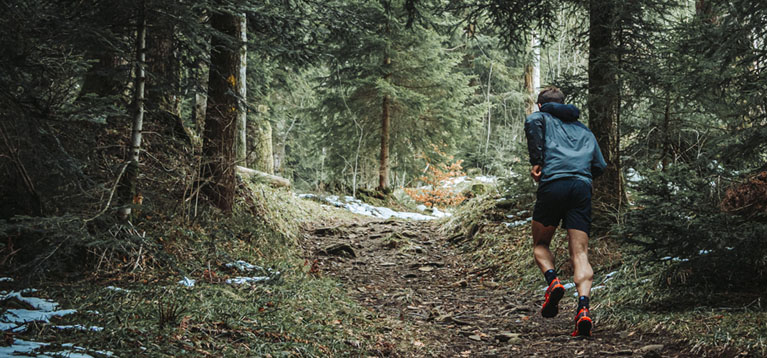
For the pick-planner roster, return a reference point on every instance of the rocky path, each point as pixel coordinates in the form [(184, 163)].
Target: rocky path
[(437, 304)]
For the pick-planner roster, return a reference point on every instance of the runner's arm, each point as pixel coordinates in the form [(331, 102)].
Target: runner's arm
[(535, 129)]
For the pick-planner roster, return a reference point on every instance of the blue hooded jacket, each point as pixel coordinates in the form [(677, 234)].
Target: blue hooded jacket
[(563, 146)]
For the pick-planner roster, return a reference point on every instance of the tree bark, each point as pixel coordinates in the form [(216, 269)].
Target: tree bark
[(128, 184), (163, 102), (222, 113), (604, 100), (383, 170), (242, 91)]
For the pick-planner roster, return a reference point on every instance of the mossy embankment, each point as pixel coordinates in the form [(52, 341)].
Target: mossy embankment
[(132, 289), (635, 291)]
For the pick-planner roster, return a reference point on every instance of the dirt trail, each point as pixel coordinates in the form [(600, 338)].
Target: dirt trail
[(439, 305)]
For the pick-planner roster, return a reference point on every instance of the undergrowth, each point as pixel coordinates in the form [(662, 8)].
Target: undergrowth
[(700, 299), (293, 313)]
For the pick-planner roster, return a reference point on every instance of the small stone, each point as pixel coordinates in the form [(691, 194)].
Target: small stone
[(651, 348), (506, 336), (475, 337), (426, 268)]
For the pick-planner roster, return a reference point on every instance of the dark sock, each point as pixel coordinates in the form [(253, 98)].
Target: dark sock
[(583, 301), (550, 276)]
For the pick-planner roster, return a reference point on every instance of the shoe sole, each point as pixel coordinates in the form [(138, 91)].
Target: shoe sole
[(551, 307), (584, 327)]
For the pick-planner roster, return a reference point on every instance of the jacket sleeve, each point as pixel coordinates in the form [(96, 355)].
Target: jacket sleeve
[(535, 131), (598, 163)]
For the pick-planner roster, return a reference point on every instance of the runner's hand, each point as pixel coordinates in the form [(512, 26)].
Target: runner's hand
[(536, 173)]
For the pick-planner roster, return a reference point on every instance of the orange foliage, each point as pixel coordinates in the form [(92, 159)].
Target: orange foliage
[(747, 198), (435, 194)]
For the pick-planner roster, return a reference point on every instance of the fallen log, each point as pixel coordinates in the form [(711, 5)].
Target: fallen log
[(274, 180)]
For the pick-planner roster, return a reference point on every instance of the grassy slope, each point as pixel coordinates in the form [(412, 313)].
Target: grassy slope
[(644, 293), (298, 314)]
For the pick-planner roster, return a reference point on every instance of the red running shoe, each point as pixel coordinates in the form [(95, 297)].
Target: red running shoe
[(583, 323), (553, 294)]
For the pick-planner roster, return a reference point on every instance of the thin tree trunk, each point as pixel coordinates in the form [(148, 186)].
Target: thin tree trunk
[(222, 113), (489, 108), (128, 184), (536, 46), (242, 91), (666, 134), (383, 171), (604, 100)]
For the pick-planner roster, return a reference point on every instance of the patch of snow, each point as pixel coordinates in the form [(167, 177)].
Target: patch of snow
[(518, 222), (186, 281), (80, 327), (15, 319), (243, 266), (632, 175), (421, 207), (6, 279), (452, 182), (244, 280), (358, 207), (675, 259), (486, 179), (704, 252), (20, 347), (118, 289), (36, 302)]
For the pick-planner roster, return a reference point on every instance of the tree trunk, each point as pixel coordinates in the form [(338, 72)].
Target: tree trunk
[(242, 91), (164, 81), (604, 100), (222, 112), (260, 150), (533, 75), (666, 151), (128, 183), (383, 170)]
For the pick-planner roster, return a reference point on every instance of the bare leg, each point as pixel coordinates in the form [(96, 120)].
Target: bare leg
[(541, 240), (579, 248)]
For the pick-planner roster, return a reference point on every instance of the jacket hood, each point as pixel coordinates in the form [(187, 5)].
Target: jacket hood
[(565, 112)]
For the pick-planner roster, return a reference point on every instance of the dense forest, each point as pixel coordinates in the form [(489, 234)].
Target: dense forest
[(351, 178)]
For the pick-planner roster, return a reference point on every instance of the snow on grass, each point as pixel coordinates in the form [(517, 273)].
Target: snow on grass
[(518, 222), (358, 207), (244, 266), (117, 289), (486, 179), (244, 280), (79, 327), (15, 320), (186, 281), (6, 279)]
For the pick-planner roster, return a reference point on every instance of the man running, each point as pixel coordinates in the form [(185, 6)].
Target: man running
[(565, 157)]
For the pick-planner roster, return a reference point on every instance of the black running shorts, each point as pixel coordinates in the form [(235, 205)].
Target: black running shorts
[(566, 200)]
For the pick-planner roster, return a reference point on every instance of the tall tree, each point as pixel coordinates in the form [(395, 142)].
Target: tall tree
[(222, 110), (392, 91), (604, 101), (128, 184)]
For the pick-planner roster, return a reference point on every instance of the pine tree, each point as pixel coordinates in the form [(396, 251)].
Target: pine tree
[(222, 110), (397, 82)]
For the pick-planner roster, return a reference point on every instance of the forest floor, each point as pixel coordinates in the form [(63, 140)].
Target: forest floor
[(437, 303)]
